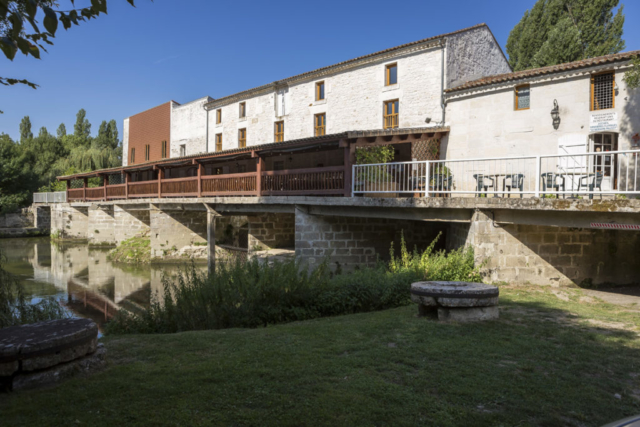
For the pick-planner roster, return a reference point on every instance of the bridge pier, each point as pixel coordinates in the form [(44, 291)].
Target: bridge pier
[(270, 231), (178, 232), (102, 225), (539, 254), (69, 222), (130, 221)]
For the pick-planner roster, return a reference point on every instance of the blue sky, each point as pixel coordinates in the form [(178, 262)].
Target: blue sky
[(136, 58)]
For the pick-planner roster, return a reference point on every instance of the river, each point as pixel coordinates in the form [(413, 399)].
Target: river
[(85, 282)]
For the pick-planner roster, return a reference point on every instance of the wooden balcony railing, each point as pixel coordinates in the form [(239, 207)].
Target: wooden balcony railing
[(295, 182)]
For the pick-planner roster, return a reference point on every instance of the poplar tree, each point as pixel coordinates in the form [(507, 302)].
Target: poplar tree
[(558, 31), (82, 128), (25, 130), (62, 131)]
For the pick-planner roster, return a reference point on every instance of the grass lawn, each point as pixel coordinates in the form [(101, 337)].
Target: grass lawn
[(555, 358)]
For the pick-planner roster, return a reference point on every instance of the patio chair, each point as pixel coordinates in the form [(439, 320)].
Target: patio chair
[(484, 182), (441, 182), (596, 182), (516, 181), (554, 181)]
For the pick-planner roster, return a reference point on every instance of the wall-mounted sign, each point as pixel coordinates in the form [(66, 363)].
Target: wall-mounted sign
[(603, 122)]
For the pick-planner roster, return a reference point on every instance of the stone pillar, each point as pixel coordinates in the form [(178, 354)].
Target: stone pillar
[(350, 242), (178, 234), (69, 222), (42, 217), (548, 255), (271, 231), (102, 224), (130, 222)]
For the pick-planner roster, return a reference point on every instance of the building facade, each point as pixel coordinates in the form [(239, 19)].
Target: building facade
[(147, 135)]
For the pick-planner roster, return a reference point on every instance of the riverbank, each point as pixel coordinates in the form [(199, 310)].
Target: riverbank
[(8, 233), (555, 357)]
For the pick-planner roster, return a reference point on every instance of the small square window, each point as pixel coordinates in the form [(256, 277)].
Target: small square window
[(219, 116), (319, 91), (218, 142), (391, 74), (523, 97), (243, 110)]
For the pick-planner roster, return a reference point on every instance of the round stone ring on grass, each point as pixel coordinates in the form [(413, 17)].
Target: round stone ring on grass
[(458, 301)]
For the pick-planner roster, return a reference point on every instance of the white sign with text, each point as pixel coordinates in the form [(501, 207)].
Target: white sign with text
[(603, 122)]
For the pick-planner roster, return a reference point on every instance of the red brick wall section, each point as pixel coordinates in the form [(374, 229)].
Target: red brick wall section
[(149, 127)]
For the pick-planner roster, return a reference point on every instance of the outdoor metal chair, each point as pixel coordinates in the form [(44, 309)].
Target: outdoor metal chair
[(483, 183), (441, 182), (516, 181), (553, 181), (596, 182)]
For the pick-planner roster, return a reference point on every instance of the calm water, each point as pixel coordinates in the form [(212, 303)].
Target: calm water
[(82, 278)]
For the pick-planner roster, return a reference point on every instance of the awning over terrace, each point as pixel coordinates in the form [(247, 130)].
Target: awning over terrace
[(319, 165)]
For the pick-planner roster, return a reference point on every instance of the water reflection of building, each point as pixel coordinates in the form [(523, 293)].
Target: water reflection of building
[(96, 287)]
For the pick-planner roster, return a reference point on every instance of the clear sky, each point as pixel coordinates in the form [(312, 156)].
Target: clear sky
[(136, 58)]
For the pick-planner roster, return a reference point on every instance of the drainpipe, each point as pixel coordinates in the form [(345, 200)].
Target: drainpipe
[(442, 101)]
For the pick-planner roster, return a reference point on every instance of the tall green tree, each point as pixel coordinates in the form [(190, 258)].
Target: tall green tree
[(82, 128), (15, 175), (62, 131), (559, 31), (25, 130)]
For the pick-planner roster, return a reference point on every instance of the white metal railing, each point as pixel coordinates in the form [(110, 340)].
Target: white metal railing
[(599, 173), (55, 197)]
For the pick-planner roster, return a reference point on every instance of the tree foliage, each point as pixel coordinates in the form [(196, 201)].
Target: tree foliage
[(559, 31), (20, 30), (632, 77), (34, 162)]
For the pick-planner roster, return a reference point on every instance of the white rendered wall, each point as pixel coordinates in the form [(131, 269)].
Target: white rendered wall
[(485, 123), (188, 127), (125, 142)]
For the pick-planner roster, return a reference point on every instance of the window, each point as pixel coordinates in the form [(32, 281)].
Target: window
[(319, 91), (133, 155), (164, 149), (242, 138), (183, 150), (243, 110), (320, 125), (147, 150), (278, 165), (219, 116), (279, 131), (602, 91), (218, 142), (523, 97), (391, 109), (242, 168), (391, 75)]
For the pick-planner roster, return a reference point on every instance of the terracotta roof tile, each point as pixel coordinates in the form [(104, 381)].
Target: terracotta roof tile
[(499, 78)]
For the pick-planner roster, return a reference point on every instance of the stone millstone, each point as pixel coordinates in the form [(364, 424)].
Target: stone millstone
[(454, 294), (45, 344)]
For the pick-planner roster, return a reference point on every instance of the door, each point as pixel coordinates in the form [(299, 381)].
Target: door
[(605, 164), (572, 164)]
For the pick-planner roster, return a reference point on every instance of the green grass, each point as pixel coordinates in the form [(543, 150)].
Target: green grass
[(136, 250), (551, 360)]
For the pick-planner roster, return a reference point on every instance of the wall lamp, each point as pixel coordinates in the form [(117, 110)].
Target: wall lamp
[(555, 115)]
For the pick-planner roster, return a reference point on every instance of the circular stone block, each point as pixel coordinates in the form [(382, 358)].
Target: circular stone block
[(45, 344), (454, 294)]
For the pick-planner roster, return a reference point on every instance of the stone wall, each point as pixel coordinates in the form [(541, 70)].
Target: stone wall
[(271, 231), (189, 127), (349, 242), (42, 217), (69, 222), (101, 227), (178, 234), (20, 219), (551, 255), (129, 223)]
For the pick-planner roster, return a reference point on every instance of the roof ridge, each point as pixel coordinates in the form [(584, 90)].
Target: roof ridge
[(549, 69)]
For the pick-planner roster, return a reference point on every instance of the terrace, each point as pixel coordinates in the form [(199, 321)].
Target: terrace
[(325, 166)]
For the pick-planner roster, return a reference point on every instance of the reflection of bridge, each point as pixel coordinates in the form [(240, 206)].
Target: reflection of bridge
[(91, 281)]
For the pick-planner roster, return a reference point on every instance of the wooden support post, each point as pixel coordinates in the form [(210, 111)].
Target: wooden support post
[(68, 183), (199, 179), (211, 240), (347, 172), (126, 185), (105, 183), (259, 165), (160, 176), (84, 189)]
